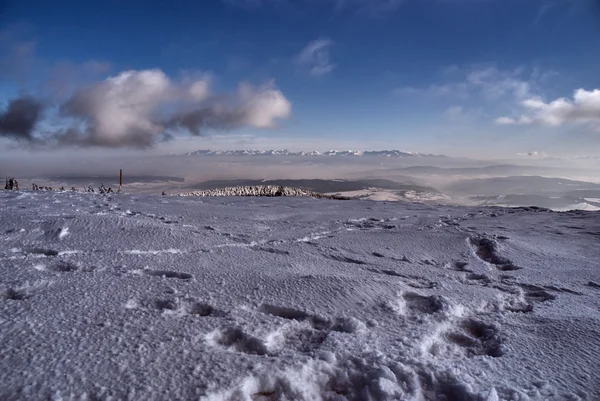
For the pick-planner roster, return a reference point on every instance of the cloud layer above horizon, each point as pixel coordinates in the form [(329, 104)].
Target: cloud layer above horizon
[(434, 76), (583, 108), (138, 108)]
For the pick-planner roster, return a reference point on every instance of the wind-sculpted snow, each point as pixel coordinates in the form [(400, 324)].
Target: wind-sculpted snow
[(294, 298)]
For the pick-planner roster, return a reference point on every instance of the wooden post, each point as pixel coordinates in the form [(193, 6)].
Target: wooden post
[(120, 180)]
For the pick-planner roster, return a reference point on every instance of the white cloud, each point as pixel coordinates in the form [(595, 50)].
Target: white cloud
[(505, 121), (523, 120), (315, 57), (140, 108), (199, 90), (489, 83), (495, 84), (488, 89), (463, 114), (120, 108), (583, 108), (262, 106)]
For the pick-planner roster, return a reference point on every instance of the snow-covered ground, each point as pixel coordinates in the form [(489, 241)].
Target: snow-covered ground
[(152, 298)]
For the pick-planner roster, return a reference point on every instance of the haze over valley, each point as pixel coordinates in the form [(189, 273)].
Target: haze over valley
[(557, 184)]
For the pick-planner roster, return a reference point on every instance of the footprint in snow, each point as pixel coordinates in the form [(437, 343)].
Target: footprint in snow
[(181, 307), (420, 304), (486, 249), (521, 297), (305, 340), (469, 337), (483, 279), (236, 339), (421, 283), (461, 267), (533, 293), (309, 337), (413, 305)]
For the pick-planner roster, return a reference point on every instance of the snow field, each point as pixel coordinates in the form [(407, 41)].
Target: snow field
[(140, 297)]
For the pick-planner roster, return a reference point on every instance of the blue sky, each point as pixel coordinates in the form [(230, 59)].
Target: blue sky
[(481, 78)]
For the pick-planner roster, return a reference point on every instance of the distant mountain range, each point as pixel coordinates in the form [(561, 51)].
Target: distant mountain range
[(285, 152)]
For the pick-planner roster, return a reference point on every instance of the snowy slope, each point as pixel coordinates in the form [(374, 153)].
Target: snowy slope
[(154, 298)]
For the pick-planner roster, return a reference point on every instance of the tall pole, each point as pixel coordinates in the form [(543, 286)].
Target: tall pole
[(120, 180)]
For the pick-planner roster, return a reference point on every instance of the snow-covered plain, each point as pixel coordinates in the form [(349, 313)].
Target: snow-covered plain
[(155, 298)]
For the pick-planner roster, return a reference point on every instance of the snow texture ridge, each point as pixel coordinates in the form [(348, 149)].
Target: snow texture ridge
[(121, 297)]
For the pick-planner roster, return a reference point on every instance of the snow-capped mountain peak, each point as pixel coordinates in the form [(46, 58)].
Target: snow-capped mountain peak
[(285, 152)]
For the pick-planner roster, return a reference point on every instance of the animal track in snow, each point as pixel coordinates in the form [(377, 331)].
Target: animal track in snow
[(486, 249), (475, 338)]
